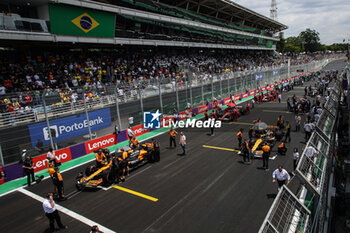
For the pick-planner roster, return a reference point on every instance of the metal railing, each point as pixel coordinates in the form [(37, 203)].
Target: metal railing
[(309, 207)]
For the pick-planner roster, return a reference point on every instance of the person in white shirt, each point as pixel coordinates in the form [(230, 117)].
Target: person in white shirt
[(308, 131), (310, 151), (295, 158), (183, 142), (130, 133), (281, 176), (51, 213)]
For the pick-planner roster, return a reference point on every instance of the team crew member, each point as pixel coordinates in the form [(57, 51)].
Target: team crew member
[(281, 176), (251, 132), (134, 142), (51, 213), (287, 131), (183, 142), (295, 158), (239, 136), (247, 108), (282, 149), (51, 171), (212, 118), (266, 155), (58, 181), (100, 157), (155, 150), (206, 115), (245, 151), (280, 122), (124, 163), (172, 133), (28, 167)]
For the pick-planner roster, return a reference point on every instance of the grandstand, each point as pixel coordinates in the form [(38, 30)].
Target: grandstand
[(98, 44), (215, 24)]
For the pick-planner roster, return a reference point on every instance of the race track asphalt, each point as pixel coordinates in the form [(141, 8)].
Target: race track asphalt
[(208, 190)]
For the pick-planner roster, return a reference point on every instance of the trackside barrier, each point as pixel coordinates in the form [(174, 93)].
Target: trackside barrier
[(15, 171), (307, 213)]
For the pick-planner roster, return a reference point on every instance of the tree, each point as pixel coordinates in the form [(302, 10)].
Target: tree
[(311, 40), (295, 41), (280, 45), (289, 48)]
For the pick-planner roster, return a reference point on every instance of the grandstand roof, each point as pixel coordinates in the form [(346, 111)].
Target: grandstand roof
[(229, 11)]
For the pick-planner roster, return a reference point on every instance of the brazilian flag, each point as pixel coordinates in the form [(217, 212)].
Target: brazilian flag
[(76, 21), (269, 44)]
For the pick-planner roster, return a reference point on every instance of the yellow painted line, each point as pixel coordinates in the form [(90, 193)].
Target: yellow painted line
[(241, 123), (220, 148), (276, 111), (136, 193)]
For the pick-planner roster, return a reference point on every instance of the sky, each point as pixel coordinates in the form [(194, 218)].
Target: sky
[(331, 18)]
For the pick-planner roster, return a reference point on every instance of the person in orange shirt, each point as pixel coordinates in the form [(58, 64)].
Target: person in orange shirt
[(124, 165), (58, 181), (239, 136), (245, 150), (134, 142), (282, 149), (266, 156), (51, 171), (172, 133), (100, 157)]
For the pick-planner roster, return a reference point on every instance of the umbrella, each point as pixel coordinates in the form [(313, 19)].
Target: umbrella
[(260, 126), (231, 105)]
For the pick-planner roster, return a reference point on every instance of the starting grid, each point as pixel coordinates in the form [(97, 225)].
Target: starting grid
[(306, 212)]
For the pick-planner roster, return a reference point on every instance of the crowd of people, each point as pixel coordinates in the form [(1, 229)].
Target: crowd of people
[(22, 80)]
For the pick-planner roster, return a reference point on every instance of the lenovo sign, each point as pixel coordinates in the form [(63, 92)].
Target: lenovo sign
[(40, 162), (98, 143), (139, 130)]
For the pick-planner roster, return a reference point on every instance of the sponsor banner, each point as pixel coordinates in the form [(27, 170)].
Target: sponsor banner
[(237, 97), (79, 21), (69, 127), (202, 109), (245, 95), (195, 110), (263, 89), (13, 171), (139, 130), (77, 151), (252, 92), (227, 101), (167, 121), (259, 76), (122, 136), (40, 162), (182, 116), (210, 106), (98, 143)]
